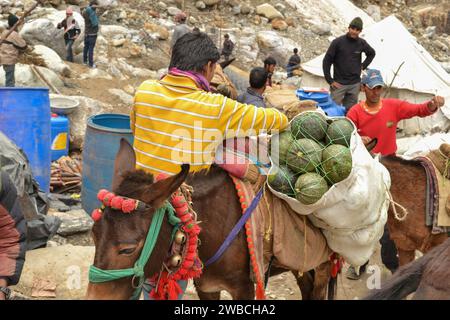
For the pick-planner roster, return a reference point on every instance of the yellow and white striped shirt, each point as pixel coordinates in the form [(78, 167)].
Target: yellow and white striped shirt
[(175, 122)]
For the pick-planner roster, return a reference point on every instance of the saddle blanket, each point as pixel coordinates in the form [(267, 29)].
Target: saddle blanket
[(438, 190), (280, 235)]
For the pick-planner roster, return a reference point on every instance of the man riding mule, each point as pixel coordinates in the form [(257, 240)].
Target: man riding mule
[(177, 120)]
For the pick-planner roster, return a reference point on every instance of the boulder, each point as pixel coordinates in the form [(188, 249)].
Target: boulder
[(112, 31), (122, 95), (268, 11), (43, 31), (53, 60), (279, 24), (374, 11), (25, 77), (66, 267), (319, 27), (211, 2), (271, 43), (173, 11), (200, 5), (108, 3)]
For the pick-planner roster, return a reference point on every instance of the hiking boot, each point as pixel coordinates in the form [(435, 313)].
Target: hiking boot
[(352, 274)]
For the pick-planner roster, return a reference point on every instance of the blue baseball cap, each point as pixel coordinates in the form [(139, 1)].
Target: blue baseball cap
[(372, 78)]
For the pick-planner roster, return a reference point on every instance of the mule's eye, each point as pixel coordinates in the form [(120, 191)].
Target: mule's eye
[(127, 251)]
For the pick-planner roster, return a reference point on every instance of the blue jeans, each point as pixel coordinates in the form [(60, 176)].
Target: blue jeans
[(9, 75), (88, 51), (69, 53)]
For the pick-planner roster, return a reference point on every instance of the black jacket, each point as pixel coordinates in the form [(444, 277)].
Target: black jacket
[(294, 60), (228, 47), (71, 33), (345, 55)]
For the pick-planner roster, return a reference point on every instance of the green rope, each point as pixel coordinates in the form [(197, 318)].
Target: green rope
[(97, 275)]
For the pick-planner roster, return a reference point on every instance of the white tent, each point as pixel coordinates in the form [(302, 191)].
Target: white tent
[(419, 78)]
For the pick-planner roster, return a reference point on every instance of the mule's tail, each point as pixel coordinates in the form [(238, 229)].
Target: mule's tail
[(332, 288), (404, 282)]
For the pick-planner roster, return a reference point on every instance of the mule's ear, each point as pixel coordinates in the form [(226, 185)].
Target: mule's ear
[(125, 161), (160, 191)]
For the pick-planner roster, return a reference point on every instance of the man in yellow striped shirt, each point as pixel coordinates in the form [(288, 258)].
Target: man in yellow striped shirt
[(178, 120)]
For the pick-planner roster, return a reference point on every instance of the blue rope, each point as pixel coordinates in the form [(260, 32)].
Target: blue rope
[(234, 232)]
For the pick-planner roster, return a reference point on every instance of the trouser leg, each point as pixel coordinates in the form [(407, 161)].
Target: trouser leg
[(69, 52), (85, 50), (10, 80), (338, 94), (351, 96), (92, 42)]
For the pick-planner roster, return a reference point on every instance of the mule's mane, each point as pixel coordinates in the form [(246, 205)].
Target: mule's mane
[(133, 182), (400, 160)]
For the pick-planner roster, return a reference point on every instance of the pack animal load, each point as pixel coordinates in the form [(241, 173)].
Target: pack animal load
[(322, 169)]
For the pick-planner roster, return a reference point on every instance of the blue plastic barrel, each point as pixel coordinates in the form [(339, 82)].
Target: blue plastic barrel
[(60, 136), (101, 143), (25, 119)]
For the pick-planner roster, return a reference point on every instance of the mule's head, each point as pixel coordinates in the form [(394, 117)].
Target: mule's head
[(119, 237)]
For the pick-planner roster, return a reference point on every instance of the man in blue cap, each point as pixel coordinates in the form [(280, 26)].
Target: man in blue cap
[(378, 118), (345, 54)]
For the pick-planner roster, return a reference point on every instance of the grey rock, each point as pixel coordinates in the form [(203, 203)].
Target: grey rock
[(73, 222), (200, 5), (236, 10), (173, 11)]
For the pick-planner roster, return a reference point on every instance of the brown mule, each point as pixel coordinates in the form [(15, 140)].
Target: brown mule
[(119, 238), (428, 277), (408, 188)]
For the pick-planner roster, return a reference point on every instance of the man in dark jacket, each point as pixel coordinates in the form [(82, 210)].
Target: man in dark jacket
[(293, 63), (71, 32), (345, 54), (228, 47), (90, 32), (12, 236), (254, 93)]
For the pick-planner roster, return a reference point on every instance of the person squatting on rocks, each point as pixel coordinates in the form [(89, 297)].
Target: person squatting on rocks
[(228, 47), (71, 32), (12, 236), (269, 64), (180, 29), (90, 32), (345, 54), (377, 118), (254, 93), (10, 50)]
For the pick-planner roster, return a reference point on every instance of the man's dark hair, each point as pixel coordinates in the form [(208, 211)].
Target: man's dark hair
[(193, 51), (258, 77), (295, 50), (270, 61), (226, 35)]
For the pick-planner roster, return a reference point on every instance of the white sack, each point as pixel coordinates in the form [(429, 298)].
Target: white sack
[(353, 212)]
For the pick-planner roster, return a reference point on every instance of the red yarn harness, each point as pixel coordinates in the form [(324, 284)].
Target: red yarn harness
[(183, 262)]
